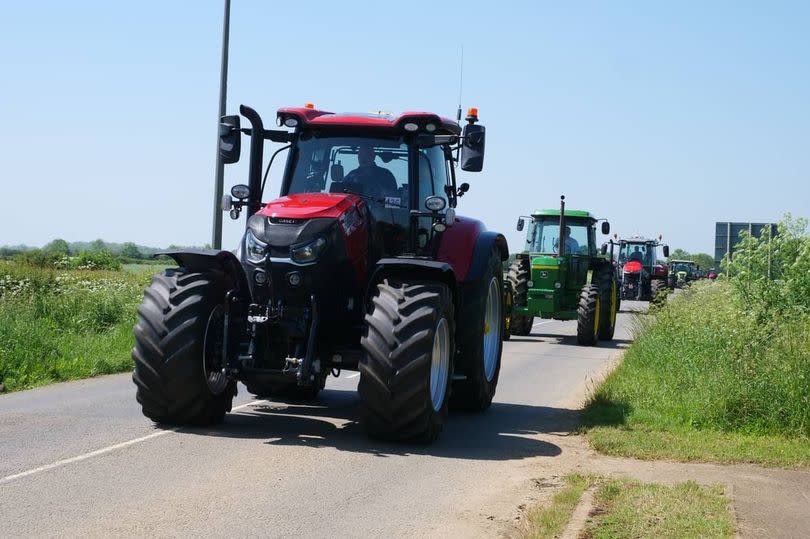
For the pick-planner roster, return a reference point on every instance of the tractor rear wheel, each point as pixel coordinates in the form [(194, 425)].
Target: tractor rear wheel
[(407, 364), (589, 315), (480, 342), (609, 294), (178, 349), (656, 287), (518, 280)]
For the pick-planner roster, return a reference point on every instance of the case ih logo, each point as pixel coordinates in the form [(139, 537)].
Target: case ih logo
[(284, 220)]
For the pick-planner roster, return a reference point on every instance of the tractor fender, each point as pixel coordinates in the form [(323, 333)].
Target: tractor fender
[(487, 240), (205, 259), (466, 246), (412, 268)]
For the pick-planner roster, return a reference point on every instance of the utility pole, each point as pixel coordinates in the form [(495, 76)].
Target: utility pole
[(219, 175)]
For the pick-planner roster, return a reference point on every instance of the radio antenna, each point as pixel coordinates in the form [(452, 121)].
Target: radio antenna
[(460, 84)]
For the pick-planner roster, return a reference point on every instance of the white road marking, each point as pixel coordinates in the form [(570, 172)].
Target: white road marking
[(104, 450)]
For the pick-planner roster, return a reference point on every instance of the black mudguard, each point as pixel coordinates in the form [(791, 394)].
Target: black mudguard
[(204, 259), (487, 240)]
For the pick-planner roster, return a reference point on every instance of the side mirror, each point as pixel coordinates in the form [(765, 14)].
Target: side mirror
[(520, 224), (604, 247), (472, 148), (666, 251), (605, 228), (230, 139), (336, 172)]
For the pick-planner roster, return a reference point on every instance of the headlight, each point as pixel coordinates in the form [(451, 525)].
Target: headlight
[(309, 252), (255, 250)]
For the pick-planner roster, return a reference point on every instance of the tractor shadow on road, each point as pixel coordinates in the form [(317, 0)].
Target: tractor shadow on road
[(504, 432), (570, 340)]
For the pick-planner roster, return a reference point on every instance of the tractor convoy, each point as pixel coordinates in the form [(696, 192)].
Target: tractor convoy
[(363, 264)]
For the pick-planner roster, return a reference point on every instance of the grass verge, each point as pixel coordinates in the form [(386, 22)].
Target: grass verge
[(547, 522), (708, 380), (628, 509), (60, 325)]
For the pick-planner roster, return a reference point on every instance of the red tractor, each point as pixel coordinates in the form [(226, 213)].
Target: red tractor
[(361, 264)]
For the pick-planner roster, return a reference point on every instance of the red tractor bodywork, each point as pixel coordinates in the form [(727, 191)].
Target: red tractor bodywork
[(304, 294)]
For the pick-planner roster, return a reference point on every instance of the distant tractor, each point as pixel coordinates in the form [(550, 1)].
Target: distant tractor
[(361, 264), (641, 276), (682, 272), (574, 282)]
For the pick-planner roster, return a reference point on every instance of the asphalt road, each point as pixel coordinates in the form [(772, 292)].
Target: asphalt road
[(79, 459)]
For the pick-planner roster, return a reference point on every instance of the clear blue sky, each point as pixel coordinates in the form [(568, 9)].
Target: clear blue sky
[(664, 117)]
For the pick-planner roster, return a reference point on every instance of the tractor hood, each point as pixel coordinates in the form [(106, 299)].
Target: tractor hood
[(309, 206), (633, 266)]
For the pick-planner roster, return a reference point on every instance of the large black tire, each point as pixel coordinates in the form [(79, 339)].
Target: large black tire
[(480, 344), (518, 280), (605, 278), (656, 287), (588, 315), (170, 335), (395, 368)]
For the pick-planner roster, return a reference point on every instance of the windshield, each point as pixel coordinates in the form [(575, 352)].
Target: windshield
[(375, 167), (681, 266), (641, 252), (543, 236)]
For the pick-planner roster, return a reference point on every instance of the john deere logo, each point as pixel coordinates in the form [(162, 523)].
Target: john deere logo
[(543, 274)]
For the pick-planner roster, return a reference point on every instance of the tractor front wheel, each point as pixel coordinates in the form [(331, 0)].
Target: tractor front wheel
[(609, 295), (589, 315), (480, 342), (407, 364), (178, 349)]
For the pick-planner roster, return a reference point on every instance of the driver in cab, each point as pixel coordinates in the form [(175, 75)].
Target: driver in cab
[(571, 245), (373, 179)]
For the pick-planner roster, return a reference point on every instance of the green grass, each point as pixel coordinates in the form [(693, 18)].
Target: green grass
[(628, 509), (707, 379), (65, 324), (550, 521)]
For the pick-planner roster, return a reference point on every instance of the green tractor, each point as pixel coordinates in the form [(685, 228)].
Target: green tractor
[(682, 272), (579, 284)]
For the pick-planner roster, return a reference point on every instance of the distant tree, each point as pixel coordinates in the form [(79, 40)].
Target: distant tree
[(58, 246), (98, 245), (130, 250), (703, 260), (679, 254)]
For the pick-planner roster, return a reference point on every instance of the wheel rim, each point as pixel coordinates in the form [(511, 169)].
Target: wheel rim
[(439, 364), (213, 344), (492, 329), (613, 304), (596, 316)]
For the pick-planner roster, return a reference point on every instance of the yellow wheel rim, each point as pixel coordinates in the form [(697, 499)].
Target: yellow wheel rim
[(613, 309), (596, 316)]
